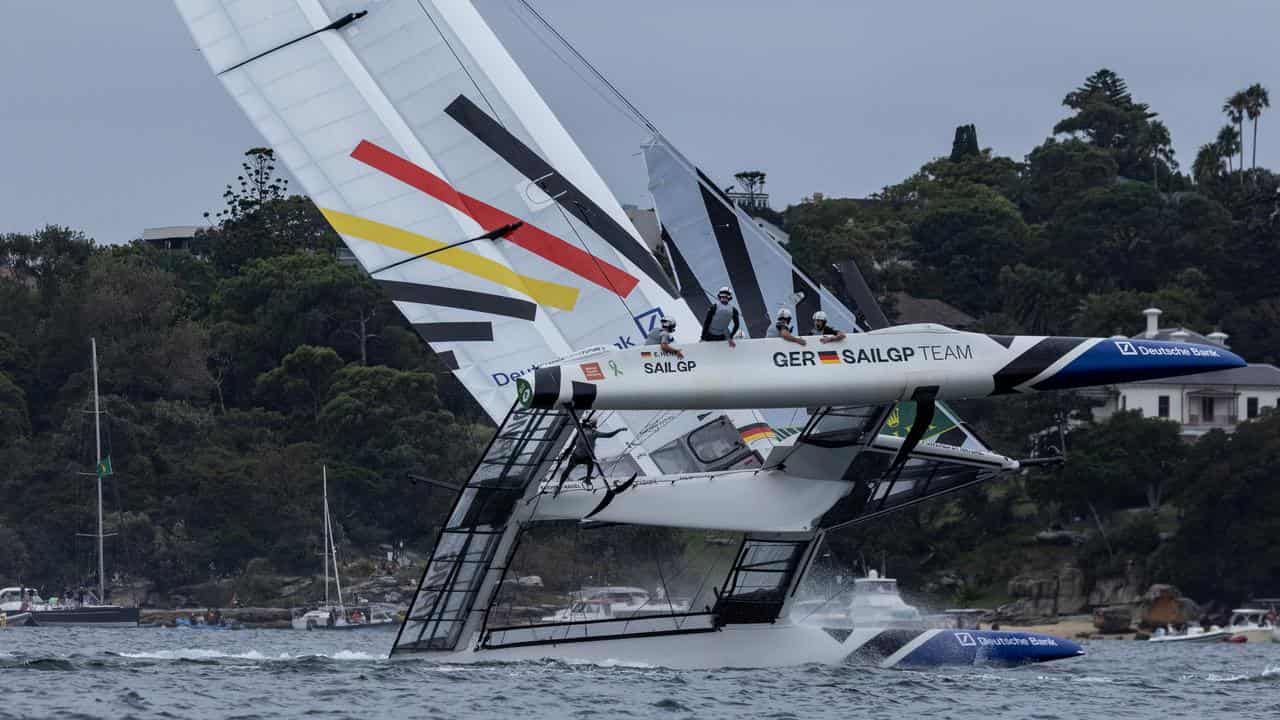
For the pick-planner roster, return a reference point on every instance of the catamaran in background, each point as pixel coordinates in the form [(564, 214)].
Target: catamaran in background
[(340, 616), (458, 189)]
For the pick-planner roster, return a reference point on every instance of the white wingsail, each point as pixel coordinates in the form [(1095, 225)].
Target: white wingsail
[(412, 129)]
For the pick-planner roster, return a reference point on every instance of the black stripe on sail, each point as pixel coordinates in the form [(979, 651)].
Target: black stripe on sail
[(690, 289), (448, 359), (714, 188), (460, 299), (809, 303), (556, 186), (584, 395), (455, 331), (863, 301), (1033, 362), (742, 277)]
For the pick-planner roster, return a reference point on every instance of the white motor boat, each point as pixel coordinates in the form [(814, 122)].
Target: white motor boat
[(581, 611), (1251, 625), (1191, 634), (625, 602)]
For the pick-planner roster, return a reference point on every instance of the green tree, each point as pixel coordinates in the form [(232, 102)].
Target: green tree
[(1235, 107), (962, 240), (301, 381), (1225, 546), (1059, 170), (1257, 100)]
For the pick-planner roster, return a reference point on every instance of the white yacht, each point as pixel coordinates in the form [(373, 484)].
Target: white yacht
[(1251, 625)]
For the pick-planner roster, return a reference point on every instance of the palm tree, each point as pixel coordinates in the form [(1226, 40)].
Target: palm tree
[(1258, 100), (1158, 143), (1228, 144), (1235, 107), (1208, 164)]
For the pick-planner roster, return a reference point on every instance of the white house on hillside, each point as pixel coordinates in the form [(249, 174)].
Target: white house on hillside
[(1202, 402)]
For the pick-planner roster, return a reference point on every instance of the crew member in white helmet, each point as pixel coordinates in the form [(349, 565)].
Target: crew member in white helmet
[(782, 328), (721, 321), (664, 336), (821, 328)]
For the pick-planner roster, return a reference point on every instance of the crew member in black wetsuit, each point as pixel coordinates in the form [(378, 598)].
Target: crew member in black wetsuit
[(583, 452), (828, 333), (721, 321)]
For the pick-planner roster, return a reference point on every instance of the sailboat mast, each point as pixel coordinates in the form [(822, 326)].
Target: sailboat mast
[(324, 551), (97, 465), (333, 550)]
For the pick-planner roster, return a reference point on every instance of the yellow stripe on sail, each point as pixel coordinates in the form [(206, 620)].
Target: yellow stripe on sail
[(543, 292)]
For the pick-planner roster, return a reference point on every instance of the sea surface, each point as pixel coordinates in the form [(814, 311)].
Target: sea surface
[(184, 673)]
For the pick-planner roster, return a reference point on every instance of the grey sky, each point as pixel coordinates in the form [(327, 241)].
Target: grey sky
[(112, 121)]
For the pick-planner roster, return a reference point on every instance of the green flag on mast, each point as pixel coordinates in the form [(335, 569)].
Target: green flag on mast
[(104, 467)]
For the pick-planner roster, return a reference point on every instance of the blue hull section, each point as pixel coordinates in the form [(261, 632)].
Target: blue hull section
[(987, 647), (1115, 361)]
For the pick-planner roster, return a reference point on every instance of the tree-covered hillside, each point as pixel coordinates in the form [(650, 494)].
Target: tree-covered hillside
[(231, 373)]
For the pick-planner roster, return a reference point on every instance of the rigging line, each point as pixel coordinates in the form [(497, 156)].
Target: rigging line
[(610, 101), (335, 25), (461, 64), (569, 46)]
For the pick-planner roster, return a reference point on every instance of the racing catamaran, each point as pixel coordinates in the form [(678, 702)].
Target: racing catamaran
[(457, 188)]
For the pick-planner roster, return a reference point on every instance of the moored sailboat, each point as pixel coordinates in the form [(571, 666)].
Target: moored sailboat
[(86, 607), (339, 616)]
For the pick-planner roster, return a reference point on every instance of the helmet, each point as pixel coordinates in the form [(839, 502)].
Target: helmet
[(784, 314), (724, 291), (668, 323), (819, 316)]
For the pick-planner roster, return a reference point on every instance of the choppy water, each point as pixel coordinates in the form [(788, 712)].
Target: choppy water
[(178, 673)]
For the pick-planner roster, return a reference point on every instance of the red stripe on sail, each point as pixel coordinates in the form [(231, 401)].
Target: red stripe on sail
[(528, 236)]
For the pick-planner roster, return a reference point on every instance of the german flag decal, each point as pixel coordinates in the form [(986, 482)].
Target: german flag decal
[(756, 431), (829, 357)]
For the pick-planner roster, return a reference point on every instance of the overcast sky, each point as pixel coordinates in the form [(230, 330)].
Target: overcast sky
[(112, 121)]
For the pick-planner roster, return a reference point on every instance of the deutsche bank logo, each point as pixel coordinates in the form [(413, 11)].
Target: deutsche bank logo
[(648, 320), (966, 640), (1125, 347)]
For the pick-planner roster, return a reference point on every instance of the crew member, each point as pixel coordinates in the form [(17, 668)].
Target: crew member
[(721, 321), (782, 328), (827, 333), (664, 336), (583, 452)]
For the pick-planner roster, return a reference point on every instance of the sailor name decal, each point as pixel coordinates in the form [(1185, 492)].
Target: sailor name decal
[(849, 356)]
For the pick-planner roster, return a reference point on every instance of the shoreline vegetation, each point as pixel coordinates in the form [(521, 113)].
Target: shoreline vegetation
[(232, 370)]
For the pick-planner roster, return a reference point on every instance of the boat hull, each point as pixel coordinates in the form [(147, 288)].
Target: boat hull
[(88, 616), (1252, 635), (783, 645), (17, 619)]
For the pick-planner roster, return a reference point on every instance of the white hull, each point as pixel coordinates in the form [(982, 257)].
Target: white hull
[(1201, 637), (1253, 635), (740, 646)]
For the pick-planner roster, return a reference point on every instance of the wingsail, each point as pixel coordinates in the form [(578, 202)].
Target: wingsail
[(413, 130)]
